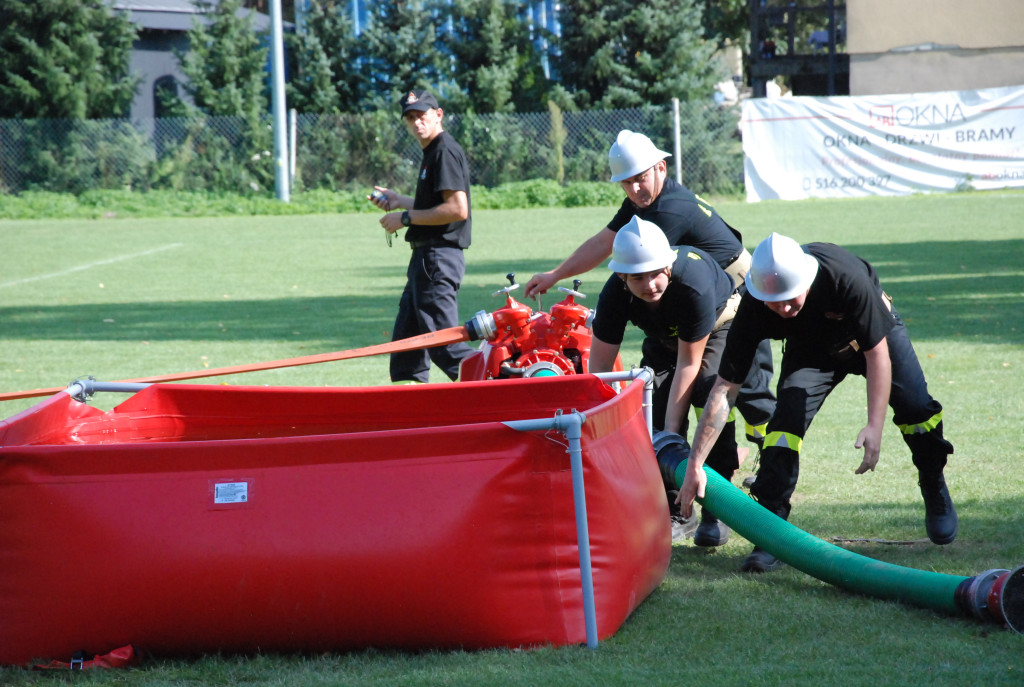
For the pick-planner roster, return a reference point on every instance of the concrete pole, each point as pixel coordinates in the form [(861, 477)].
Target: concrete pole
[(278, 105)]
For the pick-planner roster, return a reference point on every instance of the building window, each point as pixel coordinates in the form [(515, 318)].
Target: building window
[(165, 93)]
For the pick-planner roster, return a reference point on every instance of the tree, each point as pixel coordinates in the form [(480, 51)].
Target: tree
[(727, 20), (226, 62), (494, 60), (620, 53), (403, 52), (287, 7), (64, 59), (326, 76), (227, 76)]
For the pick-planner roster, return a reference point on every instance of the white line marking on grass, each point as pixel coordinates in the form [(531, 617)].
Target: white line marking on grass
[(88, 266)]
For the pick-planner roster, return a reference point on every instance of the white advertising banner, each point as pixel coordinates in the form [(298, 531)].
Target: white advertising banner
[(840, 147)]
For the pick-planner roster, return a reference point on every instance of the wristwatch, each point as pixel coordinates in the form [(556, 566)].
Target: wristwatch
[(405, 218)]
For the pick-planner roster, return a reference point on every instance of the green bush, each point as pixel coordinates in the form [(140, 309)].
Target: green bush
[(579, 194), (76, 155), (502, 146), (214, 154), (39, 205), (113, 203)]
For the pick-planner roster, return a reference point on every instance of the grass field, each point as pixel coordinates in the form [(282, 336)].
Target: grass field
[(126, 298)]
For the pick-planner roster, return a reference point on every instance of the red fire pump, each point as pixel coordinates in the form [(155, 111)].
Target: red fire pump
[(519, 342)]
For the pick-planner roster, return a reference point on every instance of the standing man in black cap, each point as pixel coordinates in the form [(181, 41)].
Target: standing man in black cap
[(439, 221)]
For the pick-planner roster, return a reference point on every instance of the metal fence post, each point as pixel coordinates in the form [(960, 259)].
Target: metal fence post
[(677, 151), (293, 118)]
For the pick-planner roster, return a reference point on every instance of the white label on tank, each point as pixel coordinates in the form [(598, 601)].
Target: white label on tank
[(231, 492)]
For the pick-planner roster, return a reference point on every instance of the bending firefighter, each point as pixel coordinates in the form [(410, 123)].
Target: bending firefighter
[(686, 219), (829, 308), (684, 302)]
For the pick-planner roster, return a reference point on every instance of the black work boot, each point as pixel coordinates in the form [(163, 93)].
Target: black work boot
[(940, 519), (711, 531), (760, 561)]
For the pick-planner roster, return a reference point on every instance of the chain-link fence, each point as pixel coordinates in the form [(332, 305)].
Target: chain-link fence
[(353, 151)]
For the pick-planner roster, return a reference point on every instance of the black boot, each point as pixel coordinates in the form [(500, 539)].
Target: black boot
[(940, 519), (759, 561), (711, 531)]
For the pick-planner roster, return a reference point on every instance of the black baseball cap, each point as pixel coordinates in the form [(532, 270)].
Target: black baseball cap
[(418, 100)]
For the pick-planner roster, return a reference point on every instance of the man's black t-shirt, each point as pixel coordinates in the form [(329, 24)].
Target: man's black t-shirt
[(444, 168), (697, 291), (844, 303), (686, 220)]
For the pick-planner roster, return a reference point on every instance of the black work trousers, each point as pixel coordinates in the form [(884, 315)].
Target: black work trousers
[(807, 377), (430, 302)]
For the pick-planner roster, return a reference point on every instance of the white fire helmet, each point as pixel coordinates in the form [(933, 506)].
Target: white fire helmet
[(780, 269), (631, 154), (640, 246)]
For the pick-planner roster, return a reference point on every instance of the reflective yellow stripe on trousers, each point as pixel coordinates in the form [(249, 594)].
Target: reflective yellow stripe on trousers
[(756, 432), (784, 440), (922, 427)]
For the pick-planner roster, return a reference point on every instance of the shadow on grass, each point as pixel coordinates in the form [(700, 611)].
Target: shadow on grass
[(953, 289), (944, 291), (350, 320), (355, 321)]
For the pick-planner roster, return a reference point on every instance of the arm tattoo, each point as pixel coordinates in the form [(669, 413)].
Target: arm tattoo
[(712, 420)]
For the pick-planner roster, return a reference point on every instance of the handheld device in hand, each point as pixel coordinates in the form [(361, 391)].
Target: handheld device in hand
[(379, 197)]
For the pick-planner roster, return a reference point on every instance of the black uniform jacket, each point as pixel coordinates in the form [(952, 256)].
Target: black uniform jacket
[(844, 304)]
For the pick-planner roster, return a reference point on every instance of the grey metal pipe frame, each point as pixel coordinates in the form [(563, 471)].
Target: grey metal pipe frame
[(80, 389), (647, 374), (571, 426)]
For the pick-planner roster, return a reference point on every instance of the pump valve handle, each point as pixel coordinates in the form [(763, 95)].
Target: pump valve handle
[(512, 285), (575, 290)]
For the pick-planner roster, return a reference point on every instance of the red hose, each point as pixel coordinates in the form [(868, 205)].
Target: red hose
[(441, 337)]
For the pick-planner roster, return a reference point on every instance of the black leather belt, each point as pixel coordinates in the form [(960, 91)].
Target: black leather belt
[(430, 244)]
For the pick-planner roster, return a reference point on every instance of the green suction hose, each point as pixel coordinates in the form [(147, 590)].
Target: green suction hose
[(995, 595)]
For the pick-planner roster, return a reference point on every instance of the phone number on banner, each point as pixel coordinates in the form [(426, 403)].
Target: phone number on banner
[(821, 183)]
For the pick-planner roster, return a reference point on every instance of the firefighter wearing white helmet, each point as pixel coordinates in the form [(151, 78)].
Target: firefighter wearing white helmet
[(641, 247), (780, 270), (632, 154), (686, 219), (828, 307), (683, 302), (638, 165)]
